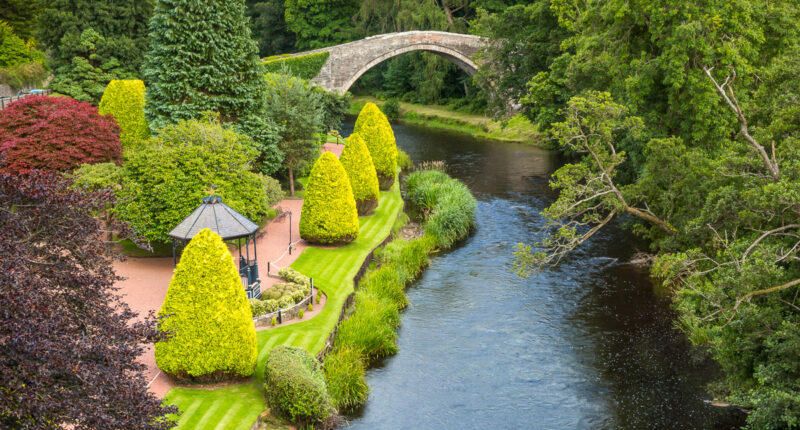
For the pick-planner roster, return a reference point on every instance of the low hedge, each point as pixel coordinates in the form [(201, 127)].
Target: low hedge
[(305, 66), (295, 386)]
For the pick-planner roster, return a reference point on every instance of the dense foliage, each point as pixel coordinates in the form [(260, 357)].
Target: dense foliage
[(88, 72), (295, 386), (168, 175), (320, 23), (13, 50), (97, 176), (203, 59), (282, 295), (292, 103), (329, 210), (70, 345), (374, 127), (124, 99), (22, 15), (357, 163), (211, 335), (303, 66), (268, 25), (56, 133), (682, 117), (93, 42)]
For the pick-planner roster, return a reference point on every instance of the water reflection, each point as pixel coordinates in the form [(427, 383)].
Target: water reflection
[(586, 345)]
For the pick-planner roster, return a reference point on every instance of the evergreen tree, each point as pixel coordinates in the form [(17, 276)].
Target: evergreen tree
[(22, 15), (121, 23), (203, 59), (374, 127), (329, 210), (363, 180), (268, 23), (206, 311), (321, 23)]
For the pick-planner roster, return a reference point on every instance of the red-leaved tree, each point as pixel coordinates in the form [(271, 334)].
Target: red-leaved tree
[(68, 344), (56, 133)]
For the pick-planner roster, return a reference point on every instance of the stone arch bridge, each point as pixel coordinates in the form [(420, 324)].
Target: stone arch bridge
[(347, 62)]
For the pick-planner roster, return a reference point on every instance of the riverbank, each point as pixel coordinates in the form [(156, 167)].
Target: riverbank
[(517, 130), (333, 270)]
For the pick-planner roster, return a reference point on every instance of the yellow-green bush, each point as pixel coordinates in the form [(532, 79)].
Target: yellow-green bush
[(329, 212), (125, 100), (374, 127), (363, 179), (206, 312)]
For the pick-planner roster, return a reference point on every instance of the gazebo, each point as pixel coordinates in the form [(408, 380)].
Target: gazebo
[(230, 225)]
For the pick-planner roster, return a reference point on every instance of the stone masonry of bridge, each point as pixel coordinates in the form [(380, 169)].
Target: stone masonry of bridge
[(347, 62)]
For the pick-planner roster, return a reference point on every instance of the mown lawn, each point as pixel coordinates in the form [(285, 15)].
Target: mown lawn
[(238, 406)]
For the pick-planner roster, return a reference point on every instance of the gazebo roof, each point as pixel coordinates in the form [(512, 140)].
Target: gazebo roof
[(216, 216)]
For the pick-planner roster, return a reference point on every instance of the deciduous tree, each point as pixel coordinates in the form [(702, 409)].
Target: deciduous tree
[(70, 346)]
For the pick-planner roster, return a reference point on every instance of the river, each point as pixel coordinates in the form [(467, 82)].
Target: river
[(586, 345)]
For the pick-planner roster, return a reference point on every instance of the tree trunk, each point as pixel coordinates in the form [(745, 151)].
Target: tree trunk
[(291, 182)]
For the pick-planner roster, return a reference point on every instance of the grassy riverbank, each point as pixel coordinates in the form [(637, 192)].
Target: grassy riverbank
[(518, 128), (237, 406)]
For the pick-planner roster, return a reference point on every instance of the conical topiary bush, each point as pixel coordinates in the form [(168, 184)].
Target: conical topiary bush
[(206, 310), (374, 127), (329, 212), (363, 180), (124, 99)]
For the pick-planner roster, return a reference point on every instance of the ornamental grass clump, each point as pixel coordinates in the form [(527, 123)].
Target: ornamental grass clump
[(295, 386), (124, 100), (445, 205), (211, 335), (371, 328), (329, 214), (357, 163), (374, 127), (344, 376)]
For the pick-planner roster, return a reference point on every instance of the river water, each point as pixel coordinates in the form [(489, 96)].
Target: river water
[(587, 345)]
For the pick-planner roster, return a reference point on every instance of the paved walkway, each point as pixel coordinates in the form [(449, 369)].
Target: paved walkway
[(147, 279)]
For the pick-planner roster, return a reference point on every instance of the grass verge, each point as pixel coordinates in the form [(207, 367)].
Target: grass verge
[(238, 406)]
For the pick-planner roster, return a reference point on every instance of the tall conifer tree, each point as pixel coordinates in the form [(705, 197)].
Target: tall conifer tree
[(201, 59)]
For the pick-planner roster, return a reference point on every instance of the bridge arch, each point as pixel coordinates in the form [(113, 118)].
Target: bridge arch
[(463, 62), (347, 62)]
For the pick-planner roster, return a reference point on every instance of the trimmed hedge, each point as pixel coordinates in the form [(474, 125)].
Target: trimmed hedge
[(363, 179), (295, 386), (207, 316), (302, 66), (344, 376), (373, 126), (124, 99), (329, 212)]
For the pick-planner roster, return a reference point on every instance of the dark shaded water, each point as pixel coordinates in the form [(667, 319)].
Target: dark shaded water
[(587, 345)]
